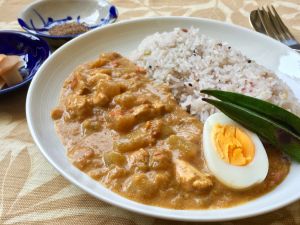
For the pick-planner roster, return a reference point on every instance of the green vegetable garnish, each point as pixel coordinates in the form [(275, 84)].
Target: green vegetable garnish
[(268, 128), (269, 110)]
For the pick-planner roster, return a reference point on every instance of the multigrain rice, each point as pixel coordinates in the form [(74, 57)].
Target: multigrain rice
[(190, 62)]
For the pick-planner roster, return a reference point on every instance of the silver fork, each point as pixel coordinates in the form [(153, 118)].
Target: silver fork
[(268, 21)]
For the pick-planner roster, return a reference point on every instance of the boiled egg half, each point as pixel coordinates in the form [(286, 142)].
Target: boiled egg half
[(234, 155)]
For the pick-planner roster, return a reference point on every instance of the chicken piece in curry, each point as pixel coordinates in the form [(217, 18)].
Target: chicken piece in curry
[(127, 132)]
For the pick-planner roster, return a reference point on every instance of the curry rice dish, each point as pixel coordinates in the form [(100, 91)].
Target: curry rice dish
[(130, 134)]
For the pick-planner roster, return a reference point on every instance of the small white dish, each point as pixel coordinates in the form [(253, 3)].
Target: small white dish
[(124, 37), (42, 15)]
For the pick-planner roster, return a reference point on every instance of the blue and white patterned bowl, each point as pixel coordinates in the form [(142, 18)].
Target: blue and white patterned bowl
[(33, 51), (42, 15)]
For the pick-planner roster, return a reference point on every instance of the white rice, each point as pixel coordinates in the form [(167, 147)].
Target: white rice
[(190, 62)]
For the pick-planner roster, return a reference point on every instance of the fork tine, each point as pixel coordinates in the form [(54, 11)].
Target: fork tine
[(282, 25), (276, 25), (266, 23), (261, 17)]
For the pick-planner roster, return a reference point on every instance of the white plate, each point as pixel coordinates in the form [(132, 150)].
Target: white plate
[(124, 37)]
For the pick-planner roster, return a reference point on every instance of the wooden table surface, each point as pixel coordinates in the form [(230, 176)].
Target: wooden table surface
[(32, 192)]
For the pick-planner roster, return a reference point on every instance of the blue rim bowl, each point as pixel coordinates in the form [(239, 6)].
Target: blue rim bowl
[(33, 50), (40, 16)]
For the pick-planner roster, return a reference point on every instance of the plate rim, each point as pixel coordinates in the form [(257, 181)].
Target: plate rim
[(83, 187)]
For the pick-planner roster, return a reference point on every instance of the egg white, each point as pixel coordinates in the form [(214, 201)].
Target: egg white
[(236, 177)]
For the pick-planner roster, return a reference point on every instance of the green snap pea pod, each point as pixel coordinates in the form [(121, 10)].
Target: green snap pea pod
[(269, 110)]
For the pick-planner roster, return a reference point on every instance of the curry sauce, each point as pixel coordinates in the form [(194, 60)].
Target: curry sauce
[(127, 132)]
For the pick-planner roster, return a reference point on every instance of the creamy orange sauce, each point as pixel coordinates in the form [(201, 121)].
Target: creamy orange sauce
[(129, 134)]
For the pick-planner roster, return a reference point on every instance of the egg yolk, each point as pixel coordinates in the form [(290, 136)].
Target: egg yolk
[(233, 145)]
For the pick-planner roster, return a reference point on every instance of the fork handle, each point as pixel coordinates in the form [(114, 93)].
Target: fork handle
[(296, 47)]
